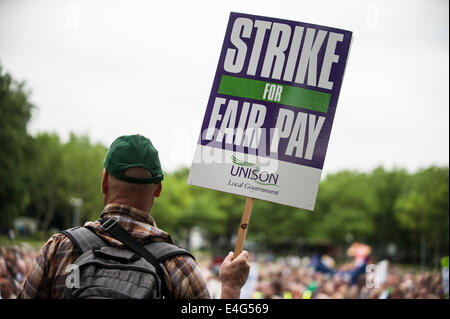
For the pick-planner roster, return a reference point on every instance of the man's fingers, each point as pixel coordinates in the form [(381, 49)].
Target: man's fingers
[(228, 258), (242, 256)]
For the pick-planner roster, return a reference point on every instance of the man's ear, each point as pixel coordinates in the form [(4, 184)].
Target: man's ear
[(158, 189), (104, 182)]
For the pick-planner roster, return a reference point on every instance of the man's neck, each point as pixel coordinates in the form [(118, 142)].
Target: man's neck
[(144, 206)]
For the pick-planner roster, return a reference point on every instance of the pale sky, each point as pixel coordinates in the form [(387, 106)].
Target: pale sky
[(108, 68)]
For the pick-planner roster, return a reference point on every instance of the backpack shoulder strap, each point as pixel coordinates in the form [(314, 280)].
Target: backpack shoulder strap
[(162, 250), (83, 238)]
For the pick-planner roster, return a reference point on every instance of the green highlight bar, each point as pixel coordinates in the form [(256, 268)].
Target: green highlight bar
[(286, 95)]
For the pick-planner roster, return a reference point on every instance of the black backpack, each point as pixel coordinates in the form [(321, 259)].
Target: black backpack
[(106, 272)]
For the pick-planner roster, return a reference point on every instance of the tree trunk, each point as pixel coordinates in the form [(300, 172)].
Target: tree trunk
[(436, 255), (423, 252)]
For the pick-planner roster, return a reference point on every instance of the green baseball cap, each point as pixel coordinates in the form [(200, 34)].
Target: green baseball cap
[(133, 151)]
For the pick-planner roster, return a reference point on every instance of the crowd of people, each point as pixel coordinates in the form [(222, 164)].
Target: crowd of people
[(15, 263), (281, 280), (291, 277), (301, 278)]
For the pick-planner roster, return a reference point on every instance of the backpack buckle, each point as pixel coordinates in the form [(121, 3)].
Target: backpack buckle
[(108, 224)]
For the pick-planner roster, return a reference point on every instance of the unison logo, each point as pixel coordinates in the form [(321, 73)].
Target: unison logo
[(253, 172)]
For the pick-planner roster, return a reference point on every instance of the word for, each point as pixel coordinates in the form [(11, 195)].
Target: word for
[(272, 92)]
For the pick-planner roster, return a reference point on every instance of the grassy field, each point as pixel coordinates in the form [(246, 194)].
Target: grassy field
[(34, 242)]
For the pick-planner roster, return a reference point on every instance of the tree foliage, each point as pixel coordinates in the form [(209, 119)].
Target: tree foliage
[(423, 209), (15, 112)]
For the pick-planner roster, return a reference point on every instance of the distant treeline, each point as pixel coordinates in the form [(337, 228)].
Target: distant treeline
[(40, 174)]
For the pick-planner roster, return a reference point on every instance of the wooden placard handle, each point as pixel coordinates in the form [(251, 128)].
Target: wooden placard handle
[(243, 227)]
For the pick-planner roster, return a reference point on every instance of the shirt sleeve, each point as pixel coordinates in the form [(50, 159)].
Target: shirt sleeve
[(184, 279), (37, 285)]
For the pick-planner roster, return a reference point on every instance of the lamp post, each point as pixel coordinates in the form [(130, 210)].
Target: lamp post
[(77, 203)]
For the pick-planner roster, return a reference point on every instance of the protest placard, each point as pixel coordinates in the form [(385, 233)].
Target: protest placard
[(269, 115)]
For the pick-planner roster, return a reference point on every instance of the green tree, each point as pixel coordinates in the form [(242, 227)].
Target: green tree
[(15, 112), (275, 224), (46, 184), (61, 171), (388, 186), (169, 208), (423, 209), (344, 206), (82, 164)]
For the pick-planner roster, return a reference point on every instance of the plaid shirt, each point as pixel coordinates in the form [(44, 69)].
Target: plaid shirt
[(47, 277)]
